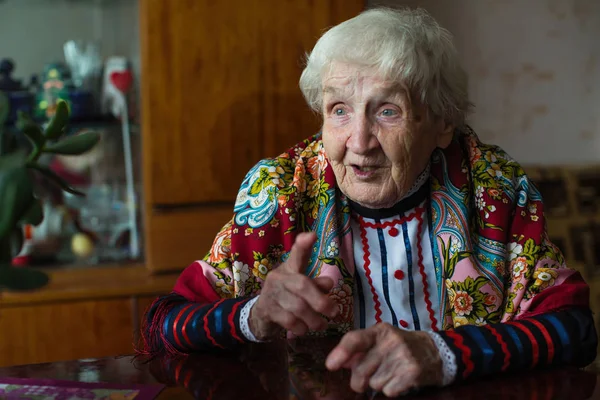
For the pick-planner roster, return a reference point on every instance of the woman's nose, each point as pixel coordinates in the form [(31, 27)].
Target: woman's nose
[(362, 139)]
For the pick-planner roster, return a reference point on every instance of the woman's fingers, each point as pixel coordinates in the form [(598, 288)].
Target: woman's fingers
[(352, 343), (289, 321), (303, 311), (292, 300), (393, 361), (364, 369), (300, 253), (308, 290), (324, 283)]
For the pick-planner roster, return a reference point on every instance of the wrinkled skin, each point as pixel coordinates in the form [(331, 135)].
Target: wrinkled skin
[(387, 359), (376, 137), (290, 300)]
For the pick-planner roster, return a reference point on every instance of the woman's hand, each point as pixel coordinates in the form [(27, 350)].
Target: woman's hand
[(388, 359), (291, 300)]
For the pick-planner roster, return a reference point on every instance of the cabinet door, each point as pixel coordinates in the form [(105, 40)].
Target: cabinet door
[(219, 92), (65, 331)]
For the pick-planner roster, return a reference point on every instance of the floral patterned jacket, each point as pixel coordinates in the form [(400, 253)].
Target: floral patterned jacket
[(493, 260)]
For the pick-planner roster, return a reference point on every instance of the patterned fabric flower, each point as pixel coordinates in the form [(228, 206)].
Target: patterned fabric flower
[(313, 189), (314, 167), (514, 249), (475, 150), (519, 265), (489, 209), (275, 252), (261, 268), (490, 157), (489, 299), (463, 303), (221, 247), (342, 295), (312, 149), (282, 200), (494, 193), (240, 271), (500, 266), (460, 321), (479, 202), (456, 244), (332, 249), (495, 170), (276, 173), (451, 220), (544, 277), (299, 181), (224, 289)]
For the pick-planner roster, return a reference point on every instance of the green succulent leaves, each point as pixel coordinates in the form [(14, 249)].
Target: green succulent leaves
[(56, 126), (74, 145), (18, 203)]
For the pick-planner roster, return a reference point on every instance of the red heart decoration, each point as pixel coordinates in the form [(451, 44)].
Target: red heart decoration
[(122, 80)]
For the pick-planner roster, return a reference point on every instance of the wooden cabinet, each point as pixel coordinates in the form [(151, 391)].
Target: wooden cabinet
[(82, 313), (219, 92), (66, 330)]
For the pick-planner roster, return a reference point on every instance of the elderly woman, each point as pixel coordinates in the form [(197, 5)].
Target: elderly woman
[(394, 227)]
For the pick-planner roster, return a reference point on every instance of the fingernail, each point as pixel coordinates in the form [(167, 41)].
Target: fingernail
[(333, 361), (330, 362)]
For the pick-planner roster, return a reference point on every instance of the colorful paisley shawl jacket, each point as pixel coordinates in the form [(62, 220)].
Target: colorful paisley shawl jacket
[(493, 259)]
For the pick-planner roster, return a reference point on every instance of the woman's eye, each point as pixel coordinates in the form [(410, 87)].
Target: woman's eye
[(388, 112), (339, 111)]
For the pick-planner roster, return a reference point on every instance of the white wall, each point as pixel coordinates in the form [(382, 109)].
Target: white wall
[(32, 32), (534, 69)]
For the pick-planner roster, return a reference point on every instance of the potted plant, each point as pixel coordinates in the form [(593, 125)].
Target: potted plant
[(19, 203)]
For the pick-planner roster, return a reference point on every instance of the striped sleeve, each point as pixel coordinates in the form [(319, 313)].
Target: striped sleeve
[(558, 338), (175, 325)]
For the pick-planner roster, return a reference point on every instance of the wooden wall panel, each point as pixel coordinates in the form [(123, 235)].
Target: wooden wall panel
[(200, 97)]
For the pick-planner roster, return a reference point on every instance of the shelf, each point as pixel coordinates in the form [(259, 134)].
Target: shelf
[(79, 283)]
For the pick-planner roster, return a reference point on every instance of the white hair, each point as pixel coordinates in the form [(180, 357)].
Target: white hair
[(406, 46)]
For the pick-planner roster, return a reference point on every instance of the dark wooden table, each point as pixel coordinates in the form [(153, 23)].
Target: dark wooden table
[(292, 370)]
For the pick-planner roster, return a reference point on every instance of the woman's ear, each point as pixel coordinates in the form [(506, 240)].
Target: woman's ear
[(445, 133)]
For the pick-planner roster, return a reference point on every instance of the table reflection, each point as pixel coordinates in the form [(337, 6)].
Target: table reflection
[(295, 370)]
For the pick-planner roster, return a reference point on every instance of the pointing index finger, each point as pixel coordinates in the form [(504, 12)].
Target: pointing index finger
[(301, 251)]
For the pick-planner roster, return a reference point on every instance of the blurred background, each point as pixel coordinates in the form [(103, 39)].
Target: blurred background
[(189, 94)]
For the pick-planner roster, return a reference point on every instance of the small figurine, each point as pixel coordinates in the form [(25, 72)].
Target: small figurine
[(56, 84)]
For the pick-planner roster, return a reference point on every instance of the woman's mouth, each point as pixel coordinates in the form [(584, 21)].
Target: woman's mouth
[(364, 171)]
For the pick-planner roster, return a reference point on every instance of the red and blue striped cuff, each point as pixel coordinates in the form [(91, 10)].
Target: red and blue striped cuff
[(192, 326), (559, 338)]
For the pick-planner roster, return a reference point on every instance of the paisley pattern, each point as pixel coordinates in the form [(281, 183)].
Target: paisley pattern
[(492, 254), (256, 204)]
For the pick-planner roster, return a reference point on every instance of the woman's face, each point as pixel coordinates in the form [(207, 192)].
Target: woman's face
[(376, 138)]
